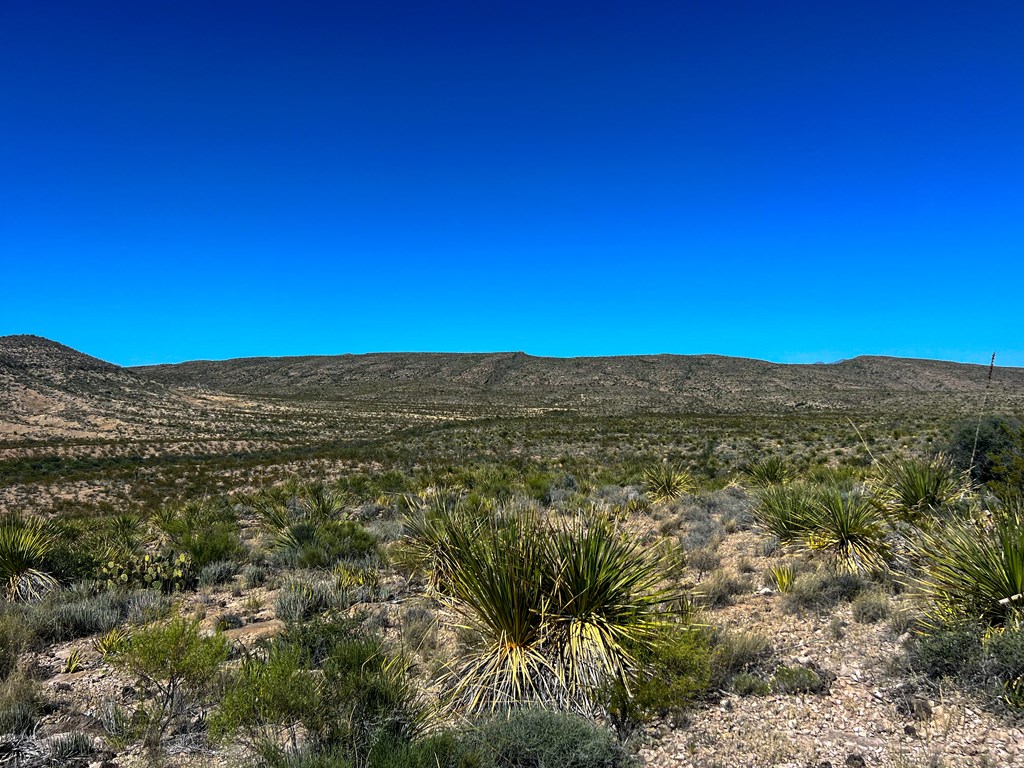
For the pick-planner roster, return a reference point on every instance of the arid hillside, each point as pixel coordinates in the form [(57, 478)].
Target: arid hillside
[(674, 383)]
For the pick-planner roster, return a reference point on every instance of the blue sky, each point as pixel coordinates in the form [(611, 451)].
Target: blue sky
[(789, 181)]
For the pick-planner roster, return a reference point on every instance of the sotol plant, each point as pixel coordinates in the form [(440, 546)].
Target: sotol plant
[(25, 544), (974, 568), (666, 483), (559, 611)]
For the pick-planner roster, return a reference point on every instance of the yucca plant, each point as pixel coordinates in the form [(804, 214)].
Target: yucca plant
[(431, 526), (849, 529), (559, 610), (317, 502), (785, 511), (605, 600), (909, 488), (974, 568), (769, 471), (25, 544), (784, 575), (665, 483)]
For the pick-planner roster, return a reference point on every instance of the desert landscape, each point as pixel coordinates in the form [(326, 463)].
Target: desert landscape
[(503, 560)]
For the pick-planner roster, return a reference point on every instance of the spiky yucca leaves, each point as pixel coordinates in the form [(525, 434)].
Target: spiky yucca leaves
[(605, 600), (909, 488), (786, 512), (433, 525), (499, 584), (318, 502), (24, 546), (850, 530), (974, 568), (558, 610), (667, 483), (767, 472)]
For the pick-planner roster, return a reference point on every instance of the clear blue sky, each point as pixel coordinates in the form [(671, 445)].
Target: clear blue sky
[(789, 181)]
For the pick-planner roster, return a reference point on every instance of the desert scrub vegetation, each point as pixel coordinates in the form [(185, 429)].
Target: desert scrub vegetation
[(445, 604)]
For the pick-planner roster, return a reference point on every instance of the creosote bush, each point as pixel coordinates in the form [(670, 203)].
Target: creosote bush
[(177, 664)]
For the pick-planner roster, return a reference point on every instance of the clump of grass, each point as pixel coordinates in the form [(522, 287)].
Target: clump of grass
[(300, 600), (719, 589), (870, 607), (217, 572), (822, 590), (783, 575)]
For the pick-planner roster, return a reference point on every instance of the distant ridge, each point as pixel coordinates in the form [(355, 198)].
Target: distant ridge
[(50, 390), (619, 384)]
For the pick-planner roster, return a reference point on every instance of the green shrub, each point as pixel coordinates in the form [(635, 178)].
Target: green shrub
[(948, 652), (676, 670), (532, 738), (983, 446), (798, 679), (177, 664), (268, 698), (205, 530), (747, 684)]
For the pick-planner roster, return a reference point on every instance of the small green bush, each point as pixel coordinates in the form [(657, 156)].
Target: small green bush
[(798, 679), (177, 664), (676, 670), (531, 738), (747, 684)]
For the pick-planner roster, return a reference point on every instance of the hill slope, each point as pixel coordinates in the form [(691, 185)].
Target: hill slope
[(48, 390), (702, 383)]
